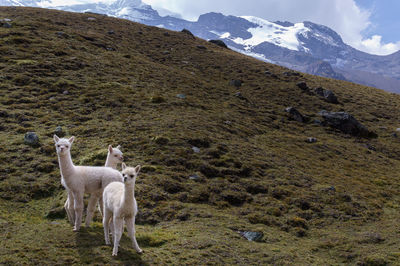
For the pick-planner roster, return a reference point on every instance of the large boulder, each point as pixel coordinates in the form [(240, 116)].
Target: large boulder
[(346, 123)]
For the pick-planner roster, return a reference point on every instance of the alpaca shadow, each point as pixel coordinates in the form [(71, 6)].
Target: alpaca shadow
[(92, 248)]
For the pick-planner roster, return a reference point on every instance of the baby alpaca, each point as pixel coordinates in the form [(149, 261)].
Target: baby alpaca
[(79, 180), (119, 206)]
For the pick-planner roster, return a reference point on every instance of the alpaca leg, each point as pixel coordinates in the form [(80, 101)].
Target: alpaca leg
[(117, 233), (69, 208), (130, 225), (106, 224), (78, 207), (101, 205), (90, 209)]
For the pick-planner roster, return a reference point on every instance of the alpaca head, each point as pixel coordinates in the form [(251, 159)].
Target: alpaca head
[(63, 146), (115, 155), (129, 174)]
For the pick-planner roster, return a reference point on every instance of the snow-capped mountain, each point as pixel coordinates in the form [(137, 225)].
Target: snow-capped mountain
[(303, 46)]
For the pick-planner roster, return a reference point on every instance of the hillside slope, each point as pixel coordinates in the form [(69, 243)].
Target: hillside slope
[(217, 158)]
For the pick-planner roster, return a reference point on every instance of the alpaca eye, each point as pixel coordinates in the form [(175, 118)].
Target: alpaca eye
[(58, 146), (131, 176), (66, 146), (115, 155), (123, 175)]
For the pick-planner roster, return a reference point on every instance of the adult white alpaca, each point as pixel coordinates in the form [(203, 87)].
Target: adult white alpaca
[(79, 180), (119, 206)]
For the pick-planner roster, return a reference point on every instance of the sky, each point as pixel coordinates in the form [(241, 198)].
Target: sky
[(371, 26)]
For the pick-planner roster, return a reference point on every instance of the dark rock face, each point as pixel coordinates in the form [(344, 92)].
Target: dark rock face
[(303, 86), (295, 114), (328, 95), (235, 82), (219, 43), (188, 33), (346, 123)]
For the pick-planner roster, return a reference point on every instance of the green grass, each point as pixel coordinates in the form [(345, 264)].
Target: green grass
[(325, 203)]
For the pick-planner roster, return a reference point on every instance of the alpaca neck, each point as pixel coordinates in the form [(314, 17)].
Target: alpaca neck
[(129, 195), (110, 163), (66, 165)]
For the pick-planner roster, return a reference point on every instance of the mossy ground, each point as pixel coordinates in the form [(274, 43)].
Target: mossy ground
[(112, 81)]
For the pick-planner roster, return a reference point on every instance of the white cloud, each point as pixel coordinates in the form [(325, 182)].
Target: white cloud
[(343, 16)]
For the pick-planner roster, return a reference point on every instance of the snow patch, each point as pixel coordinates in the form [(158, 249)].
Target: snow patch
[(270, 32)]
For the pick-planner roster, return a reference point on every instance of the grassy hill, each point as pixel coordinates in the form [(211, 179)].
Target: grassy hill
[(160, 93)]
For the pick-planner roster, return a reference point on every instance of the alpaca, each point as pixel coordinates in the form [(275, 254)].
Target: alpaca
[(120, 206), (114, 157), (79, 180)]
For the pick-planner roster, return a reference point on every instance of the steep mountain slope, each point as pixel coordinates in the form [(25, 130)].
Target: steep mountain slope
[(219, 152), (299, 46)]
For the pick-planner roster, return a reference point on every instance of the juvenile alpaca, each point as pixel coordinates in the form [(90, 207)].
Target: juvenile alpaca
[(79, 180), (119, 206), (114, 157)]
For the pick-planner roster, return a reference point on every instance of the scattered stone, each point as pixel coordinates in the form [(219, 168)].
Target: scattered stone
[(31, 139), (194, 177), (5, 20), (370, 147), (111, 32), (196, 149), (55, 223), (59, 132), (228, 122), (328, 95), (291, 74), (311, 140), (201, 47), (267, 73), (7, 25), (295, 115), (302, 85), (394, 135), (398, 129), (65, 92), (91, 19), (188, 33), (251, 236), (61, 34), (219, 43), (181, 96), (346, 123), (166, 52), (317, 122), (235, 82), (166, 33)]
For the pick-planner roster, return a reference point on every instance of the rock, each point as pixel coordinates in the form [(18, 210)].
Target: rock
[(5, 20), (111, 32), (398, 129), (394, 135), (370, 147), (228, 122), (201, 47), (56, 213), (291, 74), (240, 96), (328, 95), (219, 43), (31, 139), (61, 34), (346, 123), (65, 92), (302, 85), (59, 132), (186, 31), (166, 34), (91, 19), (7, 25), (194, 177), (251, 236), (295, 115), (311, 140), (181, 96), (235, 82), (196, 149)]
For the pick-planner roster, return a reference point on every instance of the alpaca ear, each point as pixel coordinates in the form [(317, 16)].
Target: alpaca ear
[(119, 147), (56, 139), (137, 169), (110, 149), (123, 166), (71, 139)]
